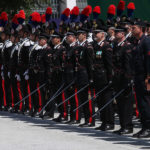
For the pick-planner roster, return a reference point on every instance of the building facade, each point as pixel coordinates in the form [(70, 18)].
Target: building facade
[(81, 4), (142, 7), (58, 6)]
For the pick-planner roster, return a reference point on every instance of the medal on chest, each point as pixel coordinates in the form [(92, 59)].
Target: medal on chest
[(99, 54)]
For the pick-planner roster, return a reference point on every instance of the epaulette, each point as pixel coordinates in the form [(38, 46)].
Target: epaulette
[(27, 43), (38, 47), (31, 43), (9, 44)]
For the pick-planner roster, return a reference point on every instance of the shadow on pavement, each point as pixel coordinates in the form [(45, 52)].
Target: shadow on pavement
[(107, 136)]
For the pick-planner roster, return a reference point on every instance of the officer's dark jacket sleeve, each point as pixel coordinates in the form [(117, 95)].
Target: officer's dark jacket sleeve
[(89, 53), (6, 56), (13, 61), (63, 55), (57, 57), (108, 53), (48, 62), (127, 55), (24, 56), (146, 47)]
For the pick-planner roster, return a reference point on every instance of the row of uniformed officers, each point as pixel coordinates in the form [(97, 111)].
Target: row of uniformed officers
[(78, 66)]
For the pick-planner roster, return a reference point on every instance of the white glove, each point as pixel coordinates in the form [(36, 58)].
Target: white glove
[(26, 72), (26, 77), (2, 74), (35, 71), (2, 67), (90, 37), (8, 74), (17, 76)]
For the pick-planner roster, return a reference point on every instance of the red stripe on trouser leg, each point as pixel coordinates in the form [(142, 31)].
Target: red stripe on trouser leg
[(12, 97), (20, 94), (77, 104), (29, 92), (64, 105), (40, 98), (136, 109), (90, 106), (4, 94), (68, 102)]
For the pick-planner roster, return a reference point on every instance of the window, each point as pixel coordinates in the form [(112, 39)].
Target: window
[(54, 4), (55, 7), (81, 4)]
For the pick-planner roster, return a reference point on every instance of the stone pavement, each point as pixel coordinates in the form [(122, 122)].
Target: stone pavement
[(18, 132)]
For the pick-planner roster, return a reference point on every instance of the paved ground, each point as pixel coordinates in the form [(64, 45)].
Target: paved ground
[(18, 132)]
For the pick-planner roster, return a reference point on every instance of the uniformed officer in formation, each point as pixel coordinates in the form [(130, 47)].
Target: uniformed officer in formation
[(102, 71), (77, 69), (122, 66), (141, 53)]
